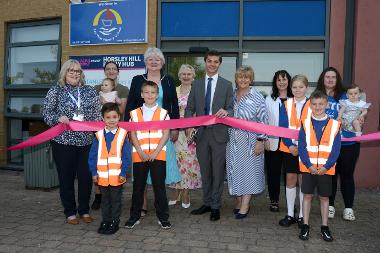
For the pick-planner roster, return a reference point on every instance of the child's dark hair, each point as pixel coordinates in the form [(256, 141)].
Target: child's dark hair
[(110, 107), (149, 83), (213, 53), (113, 83), (318, 94), (275, 92)]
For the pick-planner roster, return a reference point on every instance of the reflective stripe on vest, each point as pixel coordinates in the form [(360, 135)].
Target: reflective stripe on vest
[(148, 140), (293, 121), (109, 162), (319, 152)]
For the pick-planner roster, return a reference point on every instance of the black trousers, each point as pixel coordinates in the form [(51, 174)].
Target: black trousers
[(72, 162), (157, 170), (111, 202), (273, 163), (345, 168)]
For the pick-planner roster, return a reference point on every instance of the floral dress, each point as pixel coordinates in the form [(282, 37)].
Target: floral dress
[(186, 153)]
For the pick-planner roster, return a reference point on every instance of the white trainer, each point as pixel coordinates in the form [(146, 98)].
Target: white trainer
[(348, 214), (331, 212), (184, 205)]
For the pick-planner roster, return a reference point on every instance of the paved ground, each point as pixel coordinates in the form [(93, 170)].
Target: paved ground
[(32, 221)]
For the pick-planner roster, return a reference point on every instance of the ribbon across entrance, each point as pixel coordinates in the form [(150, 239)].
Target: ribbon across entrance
[(175, 124)]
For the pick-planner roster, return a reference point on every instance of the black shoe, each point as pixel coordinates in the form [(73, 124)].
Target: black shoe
[(305, 232), (165, 224), (240, 216), (273, 206), (215, 215), (97, 201), (203, 209), (103, 227), (300, 222), (326, 234), (287, 221), (236, 211), (113, 227), (132, 222)]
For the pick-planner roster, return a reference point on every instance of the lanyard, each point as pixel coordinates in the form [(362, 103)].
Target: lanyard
[(76, 101)]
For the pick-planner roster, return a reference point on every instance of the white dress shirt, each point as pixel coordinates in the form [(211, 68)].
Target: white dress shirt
[(299, 106), (213, 86), (148, 112)]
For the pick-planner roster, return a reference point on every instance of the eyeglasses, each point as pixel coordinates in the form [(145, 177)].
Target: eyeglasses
[(74, 71)]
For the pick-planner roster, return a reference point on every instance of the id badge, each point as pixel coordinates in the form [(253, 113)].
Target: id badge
[(78, 117)]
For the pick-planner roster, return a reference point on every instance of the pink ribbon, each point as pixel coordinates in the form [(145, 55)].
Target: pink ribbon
[(175, 124)]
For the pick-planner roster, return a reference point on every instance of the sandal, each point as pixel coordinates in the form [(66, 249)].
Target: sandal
[(143, 213), (273, 206)]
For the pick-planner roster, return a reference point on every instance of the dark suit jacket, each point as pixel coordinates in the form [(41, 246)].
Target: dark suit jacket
[(223, 98), (169, 101)]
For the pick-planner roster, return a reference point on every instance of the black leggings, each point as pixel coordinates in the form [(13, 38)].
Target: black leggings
[(273, 163), (345, 168)]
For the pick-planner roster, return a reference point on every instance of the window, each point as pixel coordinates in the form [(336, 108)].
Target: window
[(31, 66), (226, 70), (33, 53)]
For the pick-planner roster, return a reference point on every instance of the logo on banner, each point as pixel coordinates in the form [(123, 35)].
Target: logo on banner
[(107, 25)]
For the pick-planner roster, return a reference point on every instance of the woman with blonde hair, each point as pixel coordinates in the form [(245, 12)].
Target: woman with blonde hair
[(185, 147), (71, 100), (245, 150)]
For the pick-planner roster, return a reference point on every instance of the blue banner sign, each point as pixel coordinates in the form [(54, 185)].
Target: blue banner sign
[(129, 66), (113, 22)]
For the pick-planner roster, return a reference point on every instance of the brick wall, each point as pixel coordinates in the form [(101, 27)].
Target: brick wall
[(13, 11)]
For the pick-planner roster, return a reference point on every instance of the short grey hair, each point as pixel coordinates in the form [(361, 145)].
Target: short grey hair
[(154, 51), (69, 64), (184, 67)]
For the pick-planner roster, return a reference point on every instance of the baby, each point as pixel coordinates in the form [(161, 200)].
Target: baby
[(353, 110), (107, 92)]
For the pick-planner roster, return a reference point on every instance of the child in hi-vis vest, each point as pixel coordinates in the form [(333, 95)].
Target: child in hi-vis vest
[(109, 158), (318, 147), (149, 154)]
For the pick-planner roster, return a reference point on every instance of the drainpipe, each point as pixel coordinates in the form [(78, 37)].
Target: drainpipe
[(349, 42)]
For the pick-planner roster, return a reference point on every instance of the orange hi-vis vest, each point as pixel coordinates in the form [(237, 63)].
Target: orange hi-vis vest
[(294, 122), (109, 162), (319, 152), (150, 139)]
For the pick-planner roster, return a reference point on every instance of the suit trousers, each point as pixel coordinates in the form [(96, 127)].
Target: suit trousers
[(212, 160), (157, 170), (111, 202), (72, 162)]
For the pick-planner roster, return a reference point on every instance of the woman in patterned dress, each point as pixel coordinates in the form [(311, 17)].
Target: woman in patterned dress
[(185, 147), (245, 150), (70, 100)]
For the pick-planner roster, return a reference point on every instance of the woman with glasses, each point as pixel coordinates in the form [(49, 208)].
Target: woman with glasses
[(71, 100)]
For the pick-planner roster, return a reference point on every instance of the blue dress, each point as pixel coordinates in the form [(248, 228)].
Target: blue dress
[(172, 172)]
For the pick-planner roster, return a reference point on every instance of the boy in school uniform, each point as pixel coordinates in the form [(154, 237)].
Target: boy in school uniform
[(109, 159), (318, 147), (149, 154)]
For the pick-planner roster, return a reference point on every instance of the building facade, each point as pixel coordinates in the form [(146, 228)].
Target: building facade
[(302, 36)]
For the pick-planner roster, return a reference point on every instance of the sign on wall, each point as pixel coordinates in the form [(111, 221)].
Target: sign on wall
[(129, 66), (113, 22)]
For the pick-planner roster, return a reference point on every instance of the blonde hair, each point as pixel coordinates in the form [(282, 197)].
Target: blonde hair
[(301, 78), (184, 67), (69, 64), (245, 71), (154, 51)]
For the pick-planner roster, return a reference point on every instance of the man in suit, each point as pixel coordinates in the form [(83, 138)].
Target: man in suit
[(211, 95)]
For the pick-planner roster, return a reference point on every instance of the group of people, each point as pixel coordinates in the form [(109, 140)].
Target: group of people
[(203, 157)]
